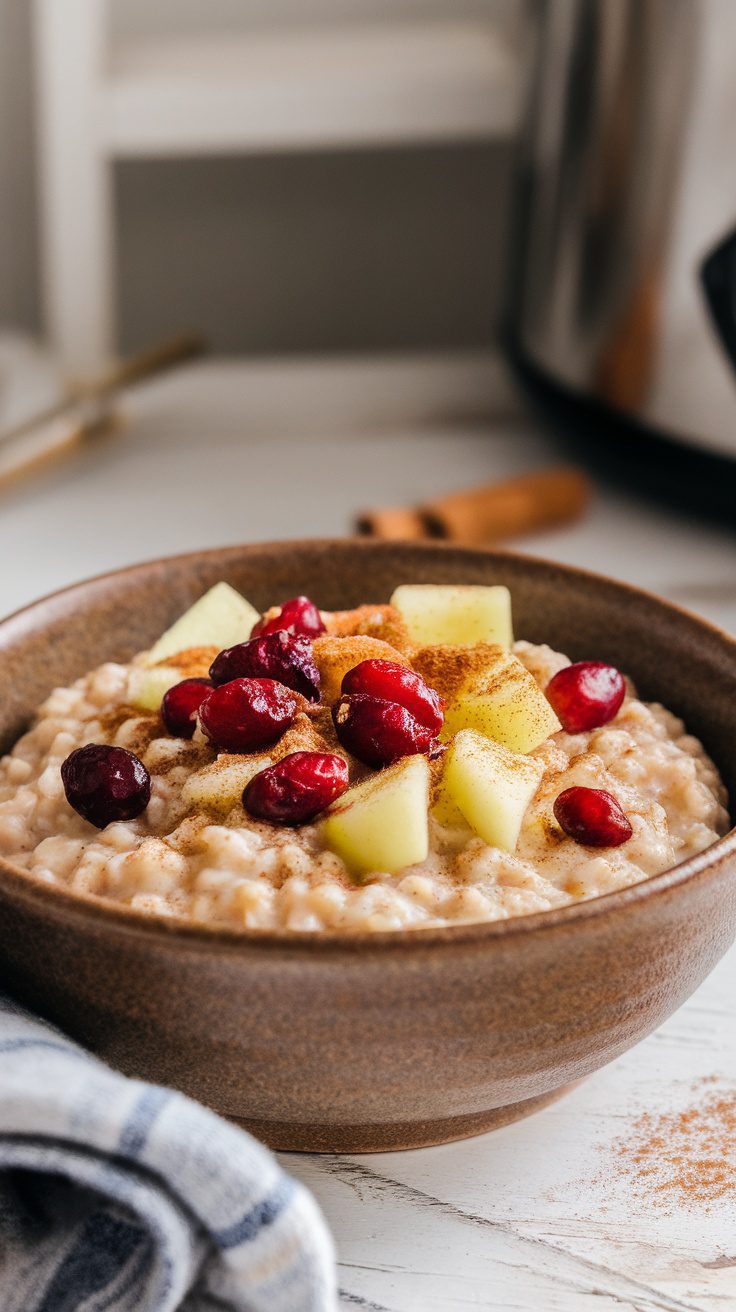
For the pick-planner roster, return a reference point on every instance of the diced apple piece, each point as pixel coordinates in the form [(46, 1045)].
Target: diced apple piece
[(448, 668), (503, 701), (455, 614), (220, 619), (146, 687), (148, 683), (382, 823), (446, 812), (370, 621), (219, 786), (334, 656), (491, 786)]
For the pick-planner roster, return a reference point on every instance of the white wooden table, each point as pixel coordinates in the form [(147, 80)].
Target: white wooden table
[(533, 1218)]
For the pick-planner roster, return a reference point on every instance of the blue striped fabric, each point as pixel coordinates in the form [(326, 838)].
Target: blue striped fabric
[(118, 1196)]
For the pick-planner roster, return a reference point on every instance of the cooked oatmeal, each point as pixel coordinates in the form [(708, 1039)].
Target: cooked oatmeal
[(218, 864)]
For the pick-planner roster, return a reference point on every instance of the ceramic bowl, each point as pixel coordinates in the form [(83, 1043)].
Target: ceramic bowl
[(389, 1040)]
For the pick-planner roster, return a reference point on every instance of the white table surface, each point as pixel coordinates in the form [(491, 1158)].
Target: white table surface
[(532, 1218)]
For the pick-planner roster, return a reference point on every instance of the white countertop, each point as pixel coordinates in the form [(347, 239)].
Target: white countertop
[(536, 1217)]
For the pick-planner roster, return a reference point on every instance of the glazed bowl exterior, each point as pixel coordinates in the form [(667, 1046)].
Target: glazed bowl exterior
[(372, 1041)]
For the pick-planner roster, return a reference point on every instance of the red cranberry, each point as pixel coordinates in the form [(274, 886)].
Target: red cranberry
[(180, 705), (299, 615), (395, 683), (282, 656), (246, 714), (586, 695), (593, 817), (105, 784), (297, 788), (378, 731)]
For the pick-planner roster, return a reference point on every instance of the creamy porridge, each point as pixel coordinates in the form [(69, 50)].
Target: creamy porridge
[(433, 782)]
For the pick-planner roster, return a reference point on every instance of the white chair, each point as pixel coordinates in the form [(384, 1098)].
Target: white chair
[(383, 84)]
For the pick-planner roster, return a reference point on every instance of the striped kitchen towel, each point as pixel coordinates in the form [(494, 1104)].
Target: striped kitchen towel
[(127, 1197)]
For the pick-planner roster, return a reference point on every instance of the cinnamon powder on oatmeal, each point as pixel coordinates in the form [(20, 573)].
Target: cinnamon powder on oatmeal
[(685, 1157)]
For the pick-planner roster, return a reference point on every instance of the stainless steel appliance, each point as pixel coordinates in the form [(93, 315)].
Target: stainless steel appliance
[(623, 312)]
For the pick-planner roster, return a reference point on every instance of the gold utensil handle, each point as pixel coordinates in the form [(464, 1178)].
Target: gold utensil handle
[(31, 451), (98, 391), (90, 412), (185, 346)]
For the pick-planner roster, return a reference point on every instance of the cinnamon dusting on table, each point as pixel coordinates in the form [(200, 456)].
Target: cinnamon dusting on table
[(684, 1158)]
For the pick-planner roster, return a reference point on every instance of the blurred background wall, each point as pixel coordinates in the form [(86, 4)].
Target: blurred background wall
[(303, 252), (19, 281), (348, 249)]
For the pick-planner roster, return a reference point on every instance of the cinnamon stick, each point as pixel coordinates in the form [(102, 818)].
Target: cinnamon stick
[(490, 513), (394, 524)]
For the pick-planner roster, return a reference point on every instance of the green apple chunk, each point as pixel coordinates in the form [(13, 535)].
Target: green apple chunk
[(491, 787), (455, 614), (382, 823), (220, 618), (146, 687), (446, 812), (219, 786), (503, 701)]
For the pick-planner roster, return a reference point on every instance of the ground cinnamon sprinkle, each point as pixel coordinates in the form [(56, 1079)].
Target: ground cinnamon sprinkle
[(686, 1157)]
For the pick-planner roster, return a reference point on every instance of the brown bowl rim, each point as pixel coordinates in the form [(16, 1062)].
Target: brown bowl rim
[(177, 931)]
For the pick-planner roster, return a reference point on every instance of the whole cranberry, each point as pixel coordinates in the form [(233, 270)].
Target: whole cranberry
[(180, 705), (246, 714), (285, 657), (298, 615), (586, 695), (592, 817), (396, 683), (297, 788), (105, 783), (378, 731)]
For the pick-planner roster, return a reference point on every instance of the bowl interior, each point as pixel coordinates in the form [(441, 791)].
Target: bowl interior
[(672, 656)]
